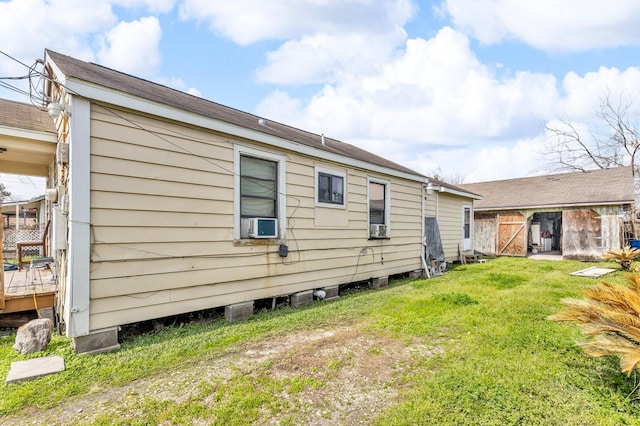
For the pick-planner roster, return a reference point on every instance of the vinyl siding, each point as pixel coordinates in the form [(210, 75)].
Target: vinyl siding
[(448, 209), (162, 216)]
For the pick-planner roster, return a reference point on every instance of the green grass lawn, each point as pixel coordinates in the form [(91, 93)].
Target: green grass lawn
[(502, 361)]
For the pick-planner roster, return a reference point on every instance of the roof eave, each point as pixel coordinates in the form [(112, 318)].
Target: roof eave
[(553, 206), (107, 95)]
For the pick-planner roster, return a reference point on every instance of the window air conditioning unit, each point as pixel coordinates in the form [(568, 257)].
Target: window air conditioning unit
[(377, 230), (263, 227)]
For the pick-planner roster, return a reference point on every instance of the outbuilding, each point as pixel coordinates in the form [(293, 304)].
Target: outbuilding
[(577, 215)]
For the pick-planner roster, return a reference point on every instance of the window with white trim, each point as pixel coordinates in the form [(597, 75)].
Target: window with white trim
[(379, 201), (258, 187), (259, 193), (330, 188)]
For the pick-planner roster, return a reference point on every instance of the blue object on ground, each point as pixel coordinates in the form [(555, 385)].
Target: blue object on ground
[(10, 266)]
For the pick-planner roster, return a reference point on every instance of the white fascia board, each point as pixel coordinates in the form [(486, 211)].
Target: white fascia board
[(462, 193), (15, 132), (552, 206), (114, 97)]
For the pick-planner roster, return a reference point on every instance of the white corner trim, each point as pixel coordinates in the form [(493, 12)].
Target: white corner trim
[(78, 297)]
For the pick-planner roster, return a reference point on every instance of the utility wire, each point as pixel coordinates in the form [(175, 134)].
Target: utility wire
[(33, 72)]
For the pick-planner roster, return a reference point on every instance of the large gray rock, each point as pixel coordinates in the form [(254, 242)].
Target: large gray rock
[(34, 336)]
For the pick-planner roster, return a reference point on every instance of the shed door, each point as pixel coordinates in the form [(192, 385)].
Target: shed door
[(512, 235)]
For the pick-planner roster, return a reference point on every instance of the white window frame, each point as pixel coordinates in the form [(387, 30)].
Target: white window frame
[(387, 203), (343, 175), (240, 150)]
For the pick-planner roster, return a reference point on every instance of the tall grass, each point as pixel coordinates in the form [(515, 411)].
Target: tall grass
[(502, 361)]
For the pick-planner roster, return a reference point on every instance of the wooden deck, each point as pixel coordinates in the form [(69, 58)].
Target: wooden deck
[(27, 290)]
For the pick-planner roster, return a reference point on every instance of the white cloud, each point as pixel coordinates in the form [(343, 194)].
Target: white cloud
[(249, 21), (327, 58), (153, 6), (28, 26), (434, 92), (132, 47), (324, 40), (436, 105), (585, 93), (550, 25), (482, 163)]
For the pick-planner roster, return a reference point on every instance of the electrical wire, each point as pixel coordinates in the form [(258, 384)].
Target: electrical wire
[(33, 72), (13, 88)]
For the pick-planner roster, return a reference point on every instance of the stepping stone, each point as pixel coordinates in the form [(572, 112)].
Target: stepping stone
[(34, 368)]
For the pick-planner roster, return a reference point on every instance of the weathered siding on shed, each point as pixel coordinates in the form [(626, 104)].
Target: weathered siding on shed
[(484, 235), (162, 217), (581, 235)]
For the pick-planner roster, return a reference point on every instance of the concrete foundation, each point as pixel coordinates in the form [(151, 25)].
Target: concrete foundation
[(47, 313), (97, 342), (332, 293), (239, 311), (414, 275), (301, 298), (380, 282)]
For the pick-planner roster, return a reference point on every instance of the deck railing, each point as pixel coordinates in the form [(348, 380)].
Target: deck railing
[(11, 237)]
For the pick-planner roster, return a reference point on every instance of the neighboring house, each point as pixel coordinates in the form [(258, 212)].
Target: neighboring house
[(23, 221), (578, 215), (28, 139), (165, 203)]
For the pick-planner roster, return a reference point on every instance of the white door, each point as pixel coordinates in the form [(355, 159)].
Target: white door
[(467, 220)]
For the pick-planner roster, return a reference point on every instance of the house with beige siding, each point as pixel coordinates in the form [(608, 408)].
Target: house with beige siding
[(164, 203)]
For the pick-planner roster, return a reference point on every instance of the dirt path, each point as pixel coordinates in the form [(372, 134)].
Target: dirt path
[(359, 375)]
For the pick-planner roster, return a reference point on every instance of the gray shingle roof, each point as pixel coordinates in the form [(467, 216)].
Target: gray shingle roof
[(25, 116), (106, 77), (596, 187)]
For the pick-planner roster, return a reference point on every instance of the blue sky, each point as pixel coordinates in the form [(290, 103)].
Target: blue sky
[(462, 87)]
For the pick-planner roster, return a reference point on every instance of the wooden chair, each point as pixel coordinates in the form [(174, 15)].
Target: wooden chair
[(35, 243)]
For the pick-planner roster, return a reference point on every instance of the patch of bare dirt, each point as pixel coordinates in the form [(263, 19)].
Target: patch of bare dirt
[(357, 374)]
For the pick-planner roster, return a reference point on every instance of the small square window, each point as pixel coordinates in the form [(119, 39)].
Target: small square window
[(330, 188)]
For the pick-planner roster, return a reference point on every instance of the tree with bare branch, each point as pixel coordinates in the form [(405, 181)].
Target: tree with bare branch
[(612, 143)]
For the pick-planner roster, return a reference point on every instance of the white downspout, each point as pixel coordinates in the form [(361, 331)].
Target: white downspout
[(422, 238)]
